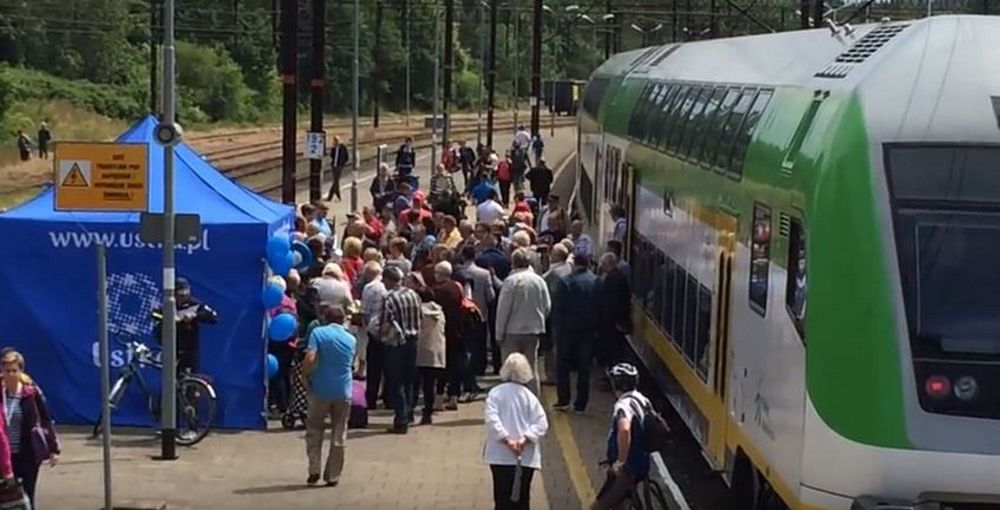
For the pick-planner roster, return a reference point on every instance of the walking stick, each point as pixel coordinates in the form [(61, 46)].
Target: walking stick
[(515, 490)]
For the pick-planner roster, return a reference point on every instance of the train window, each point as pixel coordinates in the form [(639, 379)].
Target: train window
[(680, 124), (694, 118), (795, 285), (638, 112), (702, 137), (647, 108), (677, 317), (594, 94), (673, 114), (651, 115), (667, 288), (659, 119), (800, 133), (714, 135), (733, 122), (691, 318), (701, 350), (745, 132), (760, 257)]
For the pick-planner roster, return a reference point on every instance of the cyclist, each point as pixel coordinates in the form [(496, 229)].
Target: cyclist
[(191, 314), (629, 462)]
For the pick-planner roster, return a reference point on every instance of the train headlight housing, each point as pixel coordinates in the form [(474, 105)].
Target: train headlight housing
[(966, 388)]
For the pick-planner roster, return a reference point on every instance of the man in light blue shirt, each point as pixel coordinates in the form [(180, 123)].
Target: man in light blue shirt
[(329, 365), (322, 224)]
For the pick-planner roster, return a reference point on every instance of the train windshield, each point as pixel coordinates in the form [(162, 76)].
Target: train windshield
[(947, 217)]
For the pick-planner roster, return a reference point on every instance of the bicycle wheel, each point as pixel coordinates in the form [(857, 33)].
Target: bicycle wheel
[(655, 500), (195, 410)]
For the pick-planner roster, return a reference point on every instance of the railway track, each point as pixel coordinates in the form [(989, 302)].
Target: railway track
[(421, 141)]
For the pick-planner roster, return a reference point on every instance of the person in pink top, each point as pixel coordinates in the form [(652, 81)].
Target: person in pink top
[(6, 466), (280, 384), (505, 176)]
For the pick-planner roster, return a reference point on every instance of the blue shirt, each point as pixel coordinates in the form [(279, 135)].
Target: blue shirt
[(496, 259), (334, 346), (637, 462), (482, 191), (323, 226)]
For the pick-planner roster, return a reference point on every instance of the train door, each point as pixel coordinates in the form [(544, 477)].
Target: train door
[(728, 225), (628, 203)]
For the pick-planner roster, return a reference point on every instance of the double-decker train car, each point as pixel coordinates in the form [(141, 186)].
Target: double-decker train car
[(814, 237)]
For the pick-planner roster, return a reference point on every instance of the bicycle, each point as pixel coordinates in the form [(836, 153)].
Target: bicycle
[(196, 398), (650, 491)]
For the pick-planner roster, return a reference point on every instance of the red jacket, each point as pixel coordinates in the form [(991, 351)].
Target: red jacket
[(503, 172)]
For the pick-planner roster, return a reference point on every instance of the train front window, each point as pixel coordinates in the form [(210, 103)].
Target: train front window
[(947, 219)]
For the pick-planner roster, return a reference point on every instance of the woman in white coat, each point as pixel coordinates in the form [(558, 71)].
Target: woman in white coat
[(515, 422)]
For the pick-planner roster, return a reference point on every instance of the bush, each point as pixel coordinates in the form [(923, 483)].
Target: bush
[(113, 101), (211, 81)]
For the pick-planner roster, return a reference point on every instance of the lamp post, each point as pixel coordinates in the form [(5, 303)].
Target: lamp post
[(646, 31)]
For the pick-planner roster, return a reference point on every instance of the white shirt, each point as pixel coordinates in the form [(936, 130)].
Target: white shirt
[(584, 244), (489, 211), (522, 139), (371, 304), (523, 305), (630, 405), (513, 411)]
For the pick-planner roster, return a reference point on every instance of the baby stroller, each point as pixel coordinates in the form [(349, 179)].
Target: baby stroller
[(298, 402)]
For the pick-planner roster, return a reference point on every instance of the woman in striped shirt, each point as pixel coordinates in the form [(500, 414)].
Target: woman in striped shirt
[(24, 408)]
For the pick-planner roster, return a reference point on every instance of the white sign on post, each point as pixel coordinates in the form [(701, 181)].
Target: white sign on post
[(315, 145)]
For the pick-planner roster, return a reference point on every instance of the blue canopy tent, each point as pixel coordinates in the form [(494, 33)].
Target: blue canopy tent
[(48, 288)]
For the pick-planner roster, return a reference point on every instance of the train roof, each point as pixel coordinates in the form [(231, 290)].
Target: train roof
[(817, 57)]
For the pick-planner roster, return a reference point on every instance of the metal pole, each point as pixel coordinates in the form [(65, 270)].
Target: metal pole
[(409, 53), (449, 65), (154, 104), (289, 94), (517, 66), (317, 84), (482, 77), (607, 35), (354, 110), (536, 66), (376, 67), (491, 82), (804, 14), (437, 90), (552, 110), (168, 399), (818, 13), (102, 335)]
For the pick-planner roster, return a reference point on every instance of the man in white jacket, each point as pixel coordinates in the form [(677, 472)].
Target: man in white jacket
[(522, 308)]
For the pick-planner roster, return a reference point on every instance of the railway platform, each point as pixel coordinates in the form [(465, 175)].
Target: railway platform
[(434, 467)]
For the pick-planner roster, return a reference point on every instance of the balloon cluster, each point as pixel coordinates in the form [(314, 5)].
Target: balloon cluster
[(282, 256)]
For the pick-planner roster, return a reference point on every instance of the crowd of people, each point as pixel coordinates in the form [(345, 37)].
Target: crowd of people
[(418, 299)]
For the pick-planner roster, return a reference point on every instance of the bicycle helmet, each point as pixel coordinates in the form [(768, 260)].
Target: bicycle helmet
[(624, 377)]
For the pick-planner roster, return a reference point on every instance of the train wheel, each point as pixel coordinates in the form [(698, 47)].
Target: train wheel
[(746, 485)]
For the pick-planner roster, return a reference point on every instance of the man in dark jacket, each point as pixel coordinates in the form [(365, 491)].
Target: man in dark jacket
[(44, 137), (338, 160), (406, 158), (576, 318), (540, 178), (191, 314), (448, 293), (467, 158), (617, 322)]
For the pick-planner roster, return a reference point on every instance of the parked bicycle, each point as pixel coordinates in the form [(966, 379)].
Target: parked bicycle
[(196, 398), (646, 494)]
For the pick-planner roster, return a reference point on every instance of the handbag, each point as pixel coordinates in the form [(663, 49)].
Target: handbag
[(43, 439), (12, 497)]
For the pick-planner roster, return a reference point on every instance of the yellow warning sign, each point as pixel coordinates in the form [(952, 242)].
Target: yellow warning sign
[(75, 178), (101, 176)]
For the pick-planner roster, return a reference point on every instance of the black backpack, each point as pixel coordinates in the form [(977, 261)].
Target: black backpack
[(655, 431)]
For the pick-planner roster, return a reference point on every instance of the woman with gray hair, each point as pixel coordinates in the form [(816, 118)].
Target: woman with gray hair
[(515, 422)]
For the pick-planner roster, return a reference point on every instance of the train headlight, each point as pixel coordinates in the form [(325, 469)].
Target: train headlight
[(966, 388), (937, 386)]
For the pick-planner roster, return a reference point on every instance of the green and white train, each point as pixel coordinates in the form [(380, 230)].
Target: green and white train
[(865, 158)]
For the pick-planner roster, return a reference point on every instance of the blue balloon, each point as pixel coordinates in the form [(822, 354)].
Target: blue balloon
[(281, 266), (272, 366), (305, 255), (277, 246), (272, 295), (282, 327)]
